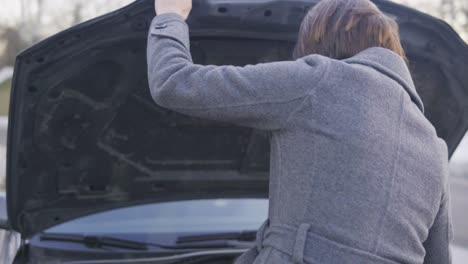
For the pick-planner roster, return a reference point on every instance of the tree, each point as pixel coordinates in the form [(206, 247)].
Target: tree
[(14, 43), (40, 18), (77, 13), (455, 12), (464, 11)]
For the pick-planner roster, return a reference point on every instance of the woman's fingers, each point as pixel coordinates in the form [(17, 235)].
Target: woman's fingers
[(180, 7)]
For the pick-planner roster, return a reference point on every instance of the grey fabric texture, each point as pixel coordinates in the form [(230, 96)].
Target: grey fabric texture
[(358, 174)]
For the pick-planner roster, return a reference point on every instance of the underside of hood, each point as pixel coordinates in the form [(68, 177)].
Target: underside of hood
[(85, 135)]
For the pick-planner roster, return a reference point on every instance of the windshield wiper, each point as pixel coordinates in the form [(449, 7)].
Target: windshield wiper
[(244, 239), (96, 241), (241, 236), (241, 240)]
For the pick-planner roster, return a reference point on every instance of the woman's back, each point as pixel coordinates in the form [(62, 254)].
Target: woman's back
[(360, 162)]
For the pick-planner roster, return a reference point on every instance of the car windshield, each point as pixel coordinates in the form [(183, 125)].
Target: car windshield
[(194, 216)]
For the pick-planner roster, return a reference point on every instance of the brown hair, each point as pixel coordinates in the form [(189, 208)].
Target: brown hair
[(340, 29)]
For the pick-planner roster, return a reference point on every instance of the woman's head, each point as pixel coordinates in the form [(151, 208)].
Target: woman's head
[(340, 29)]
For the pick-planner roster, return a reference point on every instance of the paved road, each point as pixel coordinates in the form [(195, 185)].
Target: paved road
[(3, 136), (459, 191), (3, 131), (459, 188)]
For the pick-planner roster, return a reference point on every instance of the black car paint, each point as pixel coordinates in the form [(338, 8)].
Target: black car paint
[(81, 114)]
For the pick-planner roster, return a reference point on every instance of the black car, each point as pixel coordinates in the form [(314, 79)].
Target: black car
[(98, 173)]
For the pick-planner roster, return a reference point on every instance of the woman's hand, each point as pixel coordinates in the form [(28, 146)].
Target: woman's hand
[(179, 7)]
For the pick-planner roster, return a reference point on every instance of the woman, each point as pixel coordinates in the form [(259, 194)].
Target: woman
[(358, 174)]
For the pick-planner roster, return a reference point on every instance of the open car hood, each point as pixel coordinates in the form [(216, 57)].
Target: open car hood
[(85, 135)]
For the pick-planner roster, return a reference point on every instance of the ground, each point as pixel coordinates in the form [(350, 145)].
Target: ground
[(4, 97)]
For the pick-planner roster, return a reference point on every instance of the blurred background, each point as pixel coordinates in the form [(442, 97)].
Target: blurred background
[(25, 22)]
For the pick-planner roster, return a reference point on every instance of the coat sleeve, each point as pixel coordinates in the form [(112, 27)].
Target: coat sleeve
[(437, 245), (262, 96)]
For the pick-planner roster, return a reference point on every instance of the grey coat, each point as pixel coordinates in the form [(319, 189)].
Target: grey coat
[(358, 174)]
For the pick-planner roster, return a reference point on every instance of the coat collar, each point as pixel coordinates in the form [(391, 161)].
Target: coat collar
[(390, 64)]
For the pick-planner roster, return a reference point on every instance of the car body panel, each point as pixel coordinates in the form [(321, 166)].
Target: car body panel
[(85, 135)]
